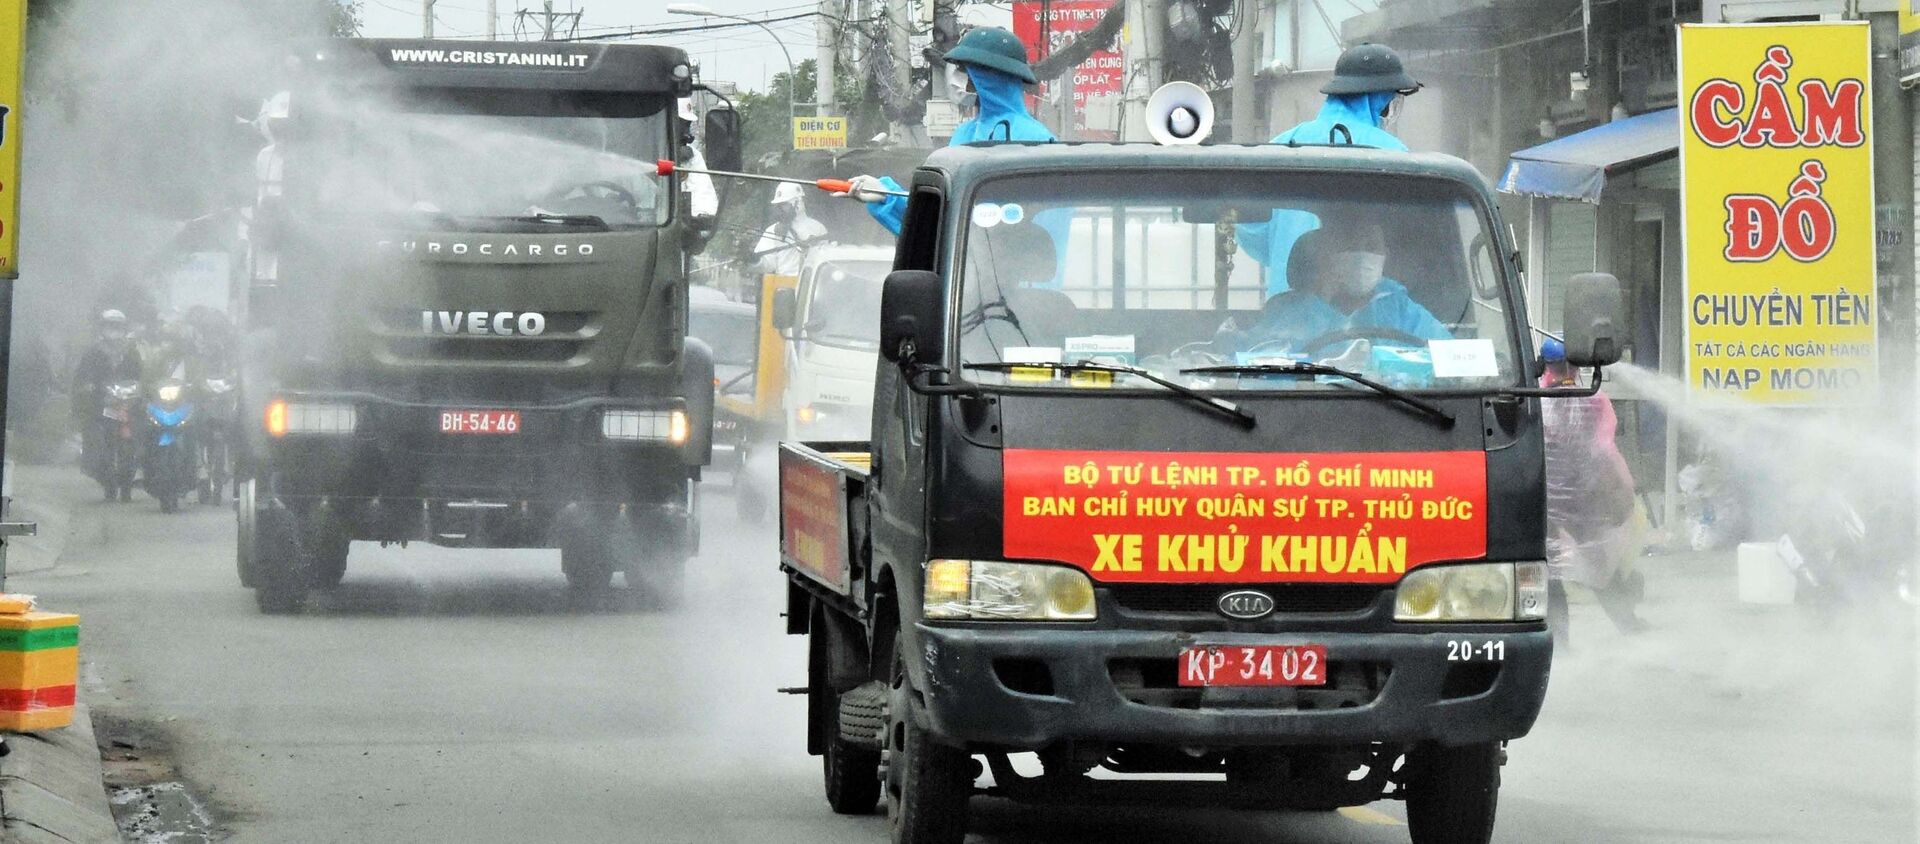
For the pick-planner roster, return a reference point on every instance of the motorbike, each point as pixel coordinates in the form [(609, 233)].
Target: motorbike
[(114, 436), (171, 460), (214, 437)]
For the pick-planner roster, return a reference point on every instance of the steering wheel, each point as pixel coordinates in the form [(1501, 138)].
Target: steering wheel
[(598, 190), (1364, 332)]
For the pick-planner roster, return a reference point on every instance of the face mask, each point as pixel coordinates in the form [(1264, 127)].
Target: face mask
[(1390, 113), (960, 88), (1355, 274)]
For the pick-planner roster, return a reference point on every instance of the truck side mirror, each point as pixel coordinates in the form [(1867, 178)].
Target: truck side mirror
[(785, 307), (723, 139), (910, 316), (1595, 316)]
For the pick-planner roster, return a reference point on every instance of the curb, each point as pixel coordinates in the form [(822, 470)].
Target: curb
[(50, 787)]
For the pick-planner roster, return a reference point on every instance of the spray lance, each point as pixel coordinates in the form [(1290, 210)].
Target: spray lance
[(664, 167)]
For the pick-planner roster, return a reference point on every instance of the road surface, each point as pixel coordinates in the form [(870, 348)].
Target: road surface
[(443, 695)]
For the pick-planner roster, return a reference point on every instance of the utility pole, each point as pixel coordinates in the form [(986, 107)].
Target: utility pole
[(493, 19), (1145, 51), (1246, 46), (899, 24), (426, 18), (826, 31), (548, 18)]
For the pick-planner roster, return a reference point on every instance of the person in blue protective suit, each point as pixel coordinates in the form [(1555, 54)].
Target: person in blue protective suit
[(988, 67), (1341, 289), (1364, 97)]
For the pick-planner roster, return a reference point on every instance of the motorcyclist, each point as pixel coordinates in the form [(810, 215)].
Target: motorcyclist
[(985, 69), (1364, 98), (782, 247), (111, 358)]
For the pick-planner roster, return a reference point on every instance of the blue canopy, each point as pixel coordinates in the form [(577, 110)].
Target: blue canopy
[(1577, 166)]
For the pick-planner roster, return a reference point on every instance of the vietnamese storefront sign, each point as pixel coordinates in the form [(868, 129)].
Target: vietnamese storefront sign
[(1099, 76), (819, 132), (1776, 170), (13, 53), (1909, 40)]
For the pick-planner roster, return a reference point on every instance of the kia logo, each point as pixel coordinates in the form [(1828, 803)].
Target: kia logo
[(1246, 603)]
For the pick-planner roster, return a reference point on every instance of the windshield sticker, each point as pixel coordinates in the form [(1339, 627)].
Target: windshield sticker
[(1472, 358), (1011, 213), (1031, 354), (1090, 379), (1113, 349), (986, 215)]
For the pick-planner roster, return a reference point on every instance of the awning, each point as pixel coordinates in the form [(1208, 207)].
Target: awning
[(1577, 166)]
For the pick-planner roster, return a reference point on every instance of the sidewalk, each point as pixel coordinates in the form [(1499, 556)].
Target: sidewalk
[(50, 782)]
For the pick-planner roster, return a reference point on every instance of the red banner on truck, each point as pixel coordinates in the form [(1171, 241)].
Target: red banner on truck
[(813, 519), (1205, 517)]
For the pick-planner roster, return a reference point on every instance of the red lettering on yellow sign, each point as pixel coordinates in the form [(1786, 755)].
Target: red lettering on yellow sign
[(1196, 517)]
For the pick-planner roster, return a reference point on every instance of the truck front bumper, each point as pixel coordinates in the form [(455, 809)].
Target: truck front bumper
[(1030, 687)]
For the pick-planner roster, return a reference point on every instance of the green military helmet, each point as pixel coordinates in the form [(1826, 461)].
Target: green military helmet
[(1367, 68), (996, 48)]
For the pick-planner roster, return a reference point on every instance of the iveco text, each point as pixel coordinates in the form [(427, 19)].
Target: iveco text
[(482, 322)]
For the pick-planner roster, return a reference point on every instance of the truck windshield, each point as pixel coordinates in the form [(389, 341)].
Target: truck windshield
[(1392, 277), (844, 308), (452, 155)]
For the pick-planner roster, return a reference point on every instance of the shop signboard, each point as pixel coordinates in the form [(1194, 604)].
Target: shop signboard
[(13, 53), (819, 132), (1776, 175), (1099, 77), (1909, 40)]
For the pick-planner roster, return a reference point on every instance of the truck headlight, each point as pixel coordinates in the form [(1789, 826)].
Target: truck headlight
[(987, 589), (300, 417), (1476, 592), (668, 426), (169, 393)]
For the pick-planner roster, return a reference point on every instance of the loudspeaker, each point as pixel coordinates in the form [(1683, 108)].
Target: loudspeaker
[(1179, 113)]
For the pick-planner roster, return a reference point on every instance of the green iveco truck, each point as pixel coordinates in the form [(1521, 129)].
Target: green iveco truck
[(465, 312)]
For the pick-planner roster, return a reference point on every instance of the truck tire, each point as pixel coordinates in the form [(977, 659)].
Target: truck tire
[(587, 561), (281, 575), (1452, 793), (927, 783), (852, 768), (329, 562), (245, 518)]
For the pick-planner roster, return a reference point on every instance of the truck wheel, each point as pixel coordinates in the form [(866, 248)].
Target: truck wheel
[(280, 572), (245, 519), (588, 564), (927, 782), (330, 560), (1452, 793)]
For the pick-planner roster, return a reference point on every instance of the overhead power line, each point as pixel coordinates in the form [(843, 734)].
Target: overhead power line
[(636, 32)]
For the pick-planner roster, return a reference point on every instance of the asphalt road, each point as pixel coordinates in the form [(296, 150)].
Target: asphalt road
[(445, 695)]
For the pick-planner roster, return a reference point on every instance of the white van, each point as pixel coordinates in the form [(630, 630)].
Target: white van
[(832, 324)]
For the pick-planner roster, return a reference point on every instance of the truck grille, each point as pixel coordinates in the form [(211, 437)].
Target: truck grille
[(565, 338), (1188, 599)]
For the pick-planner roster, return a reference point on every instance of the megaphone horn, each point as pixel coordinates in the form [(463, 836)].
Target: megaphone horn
[(1179, 113)]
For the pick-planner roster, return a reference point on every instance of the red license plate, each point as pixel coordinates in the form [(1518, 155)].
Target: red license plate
[(479, 421), (1254, 665)]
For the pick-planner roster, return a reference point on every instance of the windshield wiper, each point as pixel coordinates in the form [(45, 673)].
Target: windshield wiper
[(1231, 409), (1428, 409), (561, 219)]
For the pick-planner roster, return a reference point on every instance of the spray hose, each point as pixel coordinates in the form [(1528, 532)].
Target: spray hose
[(665, 167)]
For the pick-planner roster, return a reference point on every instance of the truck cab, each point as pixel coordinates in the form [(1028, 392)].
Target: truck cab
[(465, 312), (831, 320), (1137, 500)]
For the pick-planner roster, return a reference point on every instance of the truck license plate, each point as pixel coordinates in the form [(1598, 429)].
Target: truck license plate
[(479, 421), (1254, 665)]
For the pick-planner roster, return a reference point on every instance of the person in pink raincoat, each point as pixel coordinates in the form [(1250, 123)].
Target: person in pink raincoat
[(1590, 512)]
